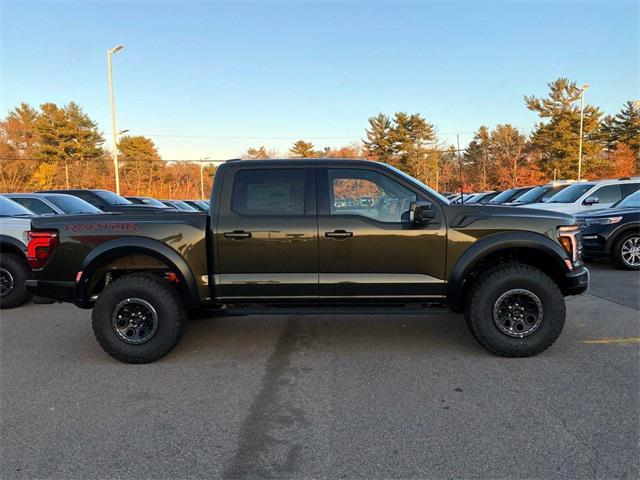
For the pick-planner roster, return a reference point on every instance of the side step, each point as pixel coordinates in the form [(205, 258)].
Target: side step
[(334, 310)]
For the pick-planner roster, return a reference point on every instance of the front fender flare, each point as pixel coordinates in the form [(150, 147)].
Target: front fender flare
[(494, 243), (130, 245)]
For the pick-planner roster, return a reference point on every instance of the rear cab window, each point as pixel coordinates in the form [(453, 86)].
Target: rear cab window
[(271, 192)]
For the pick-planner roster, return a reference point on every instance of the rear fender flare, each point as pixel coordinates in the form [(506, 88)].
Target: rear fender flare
[(131, 245), (494, 243)]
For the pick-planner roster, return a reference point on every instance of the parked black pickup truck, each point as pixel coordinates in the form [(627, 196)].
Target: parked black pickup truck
[(320, 235)]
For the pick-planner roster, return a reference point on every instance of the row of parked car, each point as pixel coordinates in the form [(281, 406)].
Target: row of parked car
[(608, 212), (81, 201), (16, 209)]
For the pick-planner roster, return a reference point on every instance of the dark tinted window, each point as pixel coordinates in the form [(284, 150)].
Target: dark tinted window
[(90, 198), (269, 192), (35, 205), (608, 194), (71, 204), (9, 208), (112, 198), (629, 188), (632, 201)]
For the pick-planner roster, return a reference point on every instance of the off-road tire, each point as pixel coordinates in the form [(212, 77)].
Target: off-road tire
[(488, 288), (19, 271), (616, 251), (165, 299)]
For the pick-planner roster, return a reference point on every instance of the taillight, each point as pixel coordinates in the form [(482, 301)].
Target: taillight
[(40, 248)]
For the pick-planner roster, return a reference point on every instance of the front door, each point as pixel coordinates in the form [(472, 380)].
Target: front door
[(368, 249), (266, 245)]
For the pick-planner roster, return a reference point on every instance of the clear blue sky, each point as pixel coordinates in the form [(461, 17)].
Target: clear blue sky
[(279, 71)]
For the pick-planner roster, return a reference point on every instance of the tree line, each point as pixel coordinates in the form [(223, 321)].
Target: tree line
[(61, 146)]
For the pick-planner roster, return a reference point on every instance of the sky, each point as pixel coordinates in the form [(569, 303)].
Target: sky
[(211, 79)]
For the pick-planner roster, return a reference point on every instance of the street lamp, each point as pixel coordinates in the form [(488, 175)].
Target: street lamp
[(114, 152), (582, 90)]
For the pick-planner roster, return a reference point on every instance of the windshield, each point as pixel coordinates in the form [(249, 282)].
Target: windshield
[(71, 204), (153, 202), (9, 208), (533, 195), (418, 183), (571, 194), (111, 198), (180, 205), (504, 196), (204, 205), (632, 201)]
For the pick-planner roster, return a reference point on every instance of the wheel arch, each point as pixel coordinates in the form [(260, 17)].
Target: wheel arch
[(524, 247), (125, 246), (13, 245), (622, 230)]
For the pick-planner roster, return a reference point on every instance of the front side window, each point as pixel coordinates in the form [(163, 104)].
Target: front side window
[(629, 188), (369, 194), (608, 194), (270, 192)]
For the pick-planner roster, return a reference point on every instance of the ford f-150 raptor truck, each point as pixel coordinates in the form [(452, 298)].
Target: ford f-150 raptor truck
[(318, 235)]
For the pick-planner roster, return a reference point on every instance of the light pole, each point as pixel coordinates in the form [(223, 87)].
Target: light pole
[(110, 52), (582, 90)]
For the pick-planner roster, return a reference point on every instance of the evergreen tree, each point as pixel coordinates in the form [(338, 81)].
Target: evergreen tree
[(379, 145), (137, 148), (256, 154), (626, 127), (302, 149), (556, 138)]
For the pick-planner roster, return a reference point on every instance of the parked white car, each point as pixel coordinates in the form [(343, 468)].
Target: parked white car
[(15, 223), (584, 196)]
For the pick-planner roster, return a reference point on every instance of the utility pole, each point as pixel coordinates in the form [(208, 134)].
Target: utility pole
[(582, 90), (460, 165), (114, 147)]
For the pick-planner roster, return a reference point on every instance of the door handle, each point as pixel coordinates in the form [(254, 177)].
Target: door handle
[(338, 234), (237, 234)]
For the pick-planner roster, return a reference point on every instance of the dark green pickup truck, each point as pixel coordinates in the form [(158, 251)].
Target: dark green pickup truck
[(313, 236)]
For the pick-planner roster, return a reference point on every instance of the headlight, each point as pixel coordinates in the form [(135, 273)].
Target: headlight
[(570, 241), (603, 221)]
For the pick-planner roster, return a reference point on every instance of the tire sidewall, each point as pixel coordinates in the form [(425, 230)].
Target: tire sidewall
[(170, 321), (618, 250), (552, 321), (19, 271)]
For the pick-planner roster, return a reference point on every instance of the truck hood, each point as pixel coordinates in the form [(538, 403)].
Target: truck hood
[(520, 211), (555, 207)]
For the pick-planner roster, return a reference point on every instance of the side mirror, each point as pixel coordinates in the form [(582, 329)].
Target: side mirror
[(421, 212), (591, 200)]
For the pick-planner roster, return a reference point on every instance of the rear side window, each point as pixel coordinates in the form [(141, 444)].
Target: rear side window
[(269, 192), (629, 188), (608, 194), (36, 206)]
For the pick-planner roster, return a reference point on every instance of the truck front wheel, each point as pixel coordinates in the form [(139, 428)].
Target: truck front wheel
[(138, 318), (515, 310)]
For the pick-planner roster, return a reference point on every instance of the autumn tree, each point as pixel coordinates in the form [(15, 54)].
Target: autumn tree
[(18, 132), (508, 149), (556, 137), (624, 161), (479, 164), (302, 149)]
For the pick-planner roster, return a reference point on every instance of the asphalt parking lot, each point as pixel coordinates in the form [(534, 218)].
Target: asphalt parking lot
[(326, 397)]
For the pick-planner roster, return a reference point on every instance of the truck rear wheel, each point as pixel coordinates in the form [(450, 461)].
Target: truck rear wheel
[(138, 318), (13, 275), (515, 310)]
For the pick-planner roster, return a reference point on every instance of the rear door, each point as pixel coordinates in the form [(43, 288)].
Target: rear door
[(266, 240), (368, 249)]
